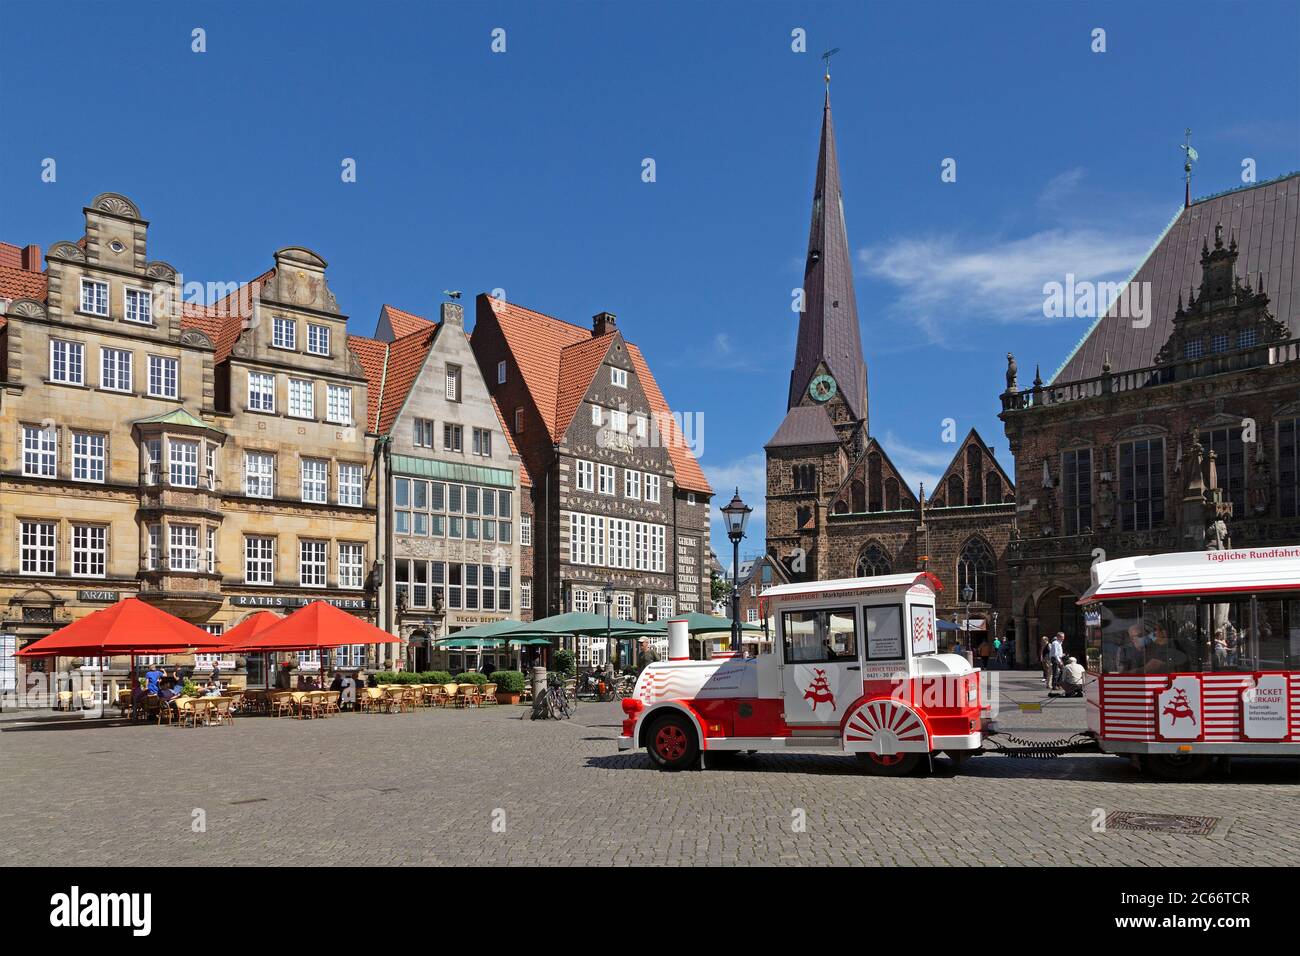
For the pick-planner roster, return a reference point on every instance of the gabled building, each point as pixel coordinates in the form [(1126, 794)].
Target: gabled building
[(451, 490), (1174, 430), (211, 459), (836, 504), (619, 499)]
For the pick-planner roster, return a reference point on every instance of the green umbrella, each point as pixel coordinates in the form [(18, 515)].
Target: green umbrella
[(490, 629), (459, 642), (531, 641), (697, 623), (580, 622)]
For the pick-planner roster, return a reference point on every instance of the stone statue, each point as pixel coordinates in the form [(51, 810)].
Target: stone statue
[(1105, 504), (1216, 535), (1012, 370)]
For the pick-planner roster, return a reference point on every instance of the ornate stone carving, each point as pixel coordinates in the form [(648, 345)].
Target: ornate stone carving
[(27, 309), (116, 204), (160, 270), (196, 339), (67, 250)]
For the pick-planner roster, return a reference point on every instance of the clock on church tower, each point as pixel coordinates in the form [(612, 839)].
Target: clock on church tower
[(822, 388)]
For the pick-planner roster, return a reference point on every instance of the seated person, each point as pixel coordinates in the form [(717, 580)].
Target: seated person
[(213, 690), (1164, 656), (1072, 678), (169, 691), (1132, 654)]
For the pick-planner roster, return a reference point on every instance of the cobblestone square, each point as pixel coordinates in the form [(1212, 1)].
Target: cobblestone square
[(485, 787)]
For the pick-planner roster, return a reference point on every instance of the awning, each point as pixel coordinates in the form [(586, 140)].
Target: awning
[(130, 626)]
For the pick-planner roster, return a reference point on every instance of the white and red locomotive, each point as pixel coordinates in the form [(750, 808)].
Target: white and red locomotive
[(855, 670)]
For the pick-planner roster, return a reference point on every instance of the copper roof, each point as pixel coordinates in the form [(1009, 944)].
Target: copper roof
[(1265, 218)]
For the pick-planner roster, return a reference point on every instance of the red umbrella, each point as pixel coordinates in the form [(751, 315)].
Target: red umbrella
[(130, 626), (317, 626), (235, 638)]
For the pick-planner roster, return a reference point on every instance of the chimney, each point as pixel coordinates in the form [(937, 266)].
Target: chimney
[(453, 314), (603, 323), (32, 258)]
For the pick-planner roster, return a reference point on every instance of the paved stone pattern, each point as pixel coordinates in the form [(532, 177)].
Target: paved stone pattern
[(427, 788)]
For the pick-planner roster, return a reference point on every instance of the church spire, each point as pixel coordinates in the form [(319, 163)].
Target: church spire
[(828, 325)]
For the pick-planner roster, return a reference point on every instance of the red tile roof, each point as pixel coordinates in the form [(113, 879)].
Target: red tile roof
[(405, 359), (525, 479), (223, 320), (404, 323), (558, 360), (372, 354), (11, 255), (15, 281), (578, 366)]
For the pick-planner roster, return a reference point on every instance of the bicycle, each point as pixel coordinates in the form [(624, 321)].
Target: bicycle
[(554, 704)]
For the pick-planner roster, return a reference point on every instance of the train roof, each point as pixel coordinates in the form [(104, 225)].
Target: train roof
[(846, 586), (1239, 571)]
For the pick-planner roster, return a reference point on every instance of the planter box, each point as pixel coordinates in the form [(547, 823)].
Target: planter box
[(507, 697)]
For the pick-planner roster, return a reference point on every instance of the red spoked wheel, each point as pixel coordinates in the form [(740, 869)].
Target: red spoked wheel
[(672, 743), (889, 765)]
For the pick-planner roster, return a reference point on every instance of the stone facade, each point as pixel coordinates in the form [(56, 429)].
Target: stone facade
[(608, 508), (127, 425), (1107, 465), (452, 530)]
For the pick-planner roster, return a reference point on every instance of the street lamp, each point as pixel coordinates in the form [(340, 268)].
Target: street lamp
[(736, 514), (609, 607), (968, 595)]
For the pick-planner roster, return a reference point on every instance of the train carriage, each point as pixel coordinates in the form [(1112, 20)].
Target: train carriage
[(855, 669), (1195, 656)]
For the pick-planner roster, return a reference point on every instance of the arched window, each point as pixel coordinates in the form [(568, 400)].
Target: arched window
[(891, 493), (977, 569), (859, 495), (804, 477), (841, 506), (956, 491), (873, 561), (992, 488), (974, 485)]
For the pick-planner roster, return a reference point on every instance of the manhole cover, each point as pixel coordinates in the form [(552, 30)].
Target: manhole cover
[(1160, 822)]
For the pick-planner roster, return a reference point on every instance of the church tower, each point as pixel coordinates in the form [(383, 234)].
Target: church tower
[(825, 427)]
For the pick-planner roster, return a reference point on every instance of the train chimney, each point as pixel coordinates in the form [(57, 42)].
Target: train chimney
[(679, 640)]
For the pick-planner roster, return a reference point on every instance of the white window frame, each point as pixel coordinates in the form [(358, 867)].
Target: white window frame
[(525, 531), (145, 296), (112, 374), (526, 594), (452, 383), (259, 474), (584, 473), (318, 478), (351, 484), (352, 563), (73, 361), (618, 377), (259, 559), (38, 548), (161, 384), (182, 552), (261, 392), (289, 339), (181, 464), (423, 432), (318, 339), (481, 442), (618, 420), (605, 475), (153, 546), (519, 420), (94, 465), (98, 298), (89, 550), (501, 372), (632, 484), (651, 487), (40, 451), (302, 400), (452, 431), (596, 417), (313, 557), (338, 404), (152, 450)]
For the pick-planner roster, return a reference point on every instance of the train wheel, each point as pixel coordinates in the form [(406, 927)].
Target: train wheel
[(888, 765), (672, 743), (1179, 766)]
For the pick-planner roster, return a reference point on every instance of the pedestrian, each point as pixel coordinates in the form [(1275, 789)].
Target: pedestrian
[(1056, 652), (985, 652), (997, 649), (1045, 660)]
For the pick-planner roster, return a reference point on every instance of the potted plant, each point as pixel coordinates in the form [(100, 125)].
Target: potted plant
[(510, 685)]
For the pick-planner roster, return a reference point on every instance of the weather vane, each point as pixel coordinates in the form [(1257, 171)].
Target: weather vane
[(1192, 156), (827, 57)]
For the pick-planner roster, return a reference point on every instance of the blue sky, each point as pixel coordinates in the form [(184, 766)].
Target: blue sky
[(522, 170)]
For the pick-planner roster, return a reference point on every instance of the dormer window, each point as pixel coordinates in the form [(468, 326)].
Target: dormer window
[(618, 377), (94, 297)]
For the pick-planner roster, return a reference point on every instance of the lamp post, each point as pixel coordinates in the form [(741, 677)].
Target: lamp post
[(609, 610), (736, 514), (968, 595)]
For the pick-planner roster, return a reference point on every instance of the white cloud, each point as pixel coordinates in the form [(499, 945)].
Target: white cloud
[(1060, 186), (944, 282)]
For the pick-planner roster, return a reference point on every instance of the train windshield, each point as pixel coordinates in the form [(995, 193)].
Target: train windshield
[(1165, 636)]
